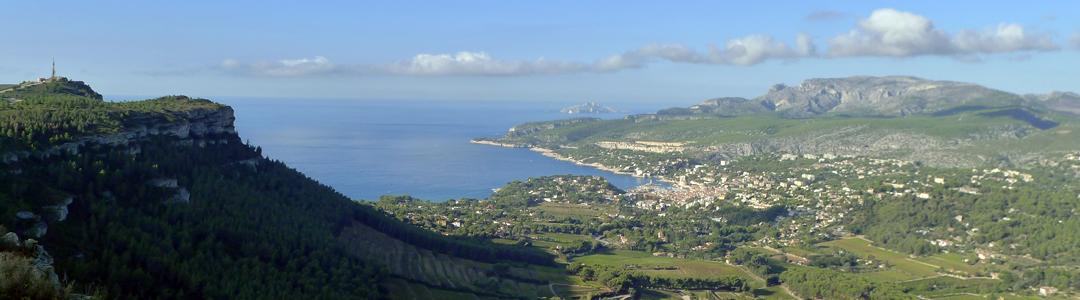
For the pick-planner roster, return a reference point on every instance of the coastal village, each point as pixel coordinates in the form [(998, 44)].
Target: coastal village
[(797, 207), (819, 192)]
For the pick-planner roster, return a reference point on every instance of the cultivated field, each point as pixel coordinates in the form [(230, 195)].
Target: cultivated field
[(434, 275), (899, 262), (952, 261)]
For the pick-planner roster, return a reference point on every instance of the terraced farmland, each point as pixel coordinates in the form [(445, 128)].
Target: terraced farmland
[(424, 274)]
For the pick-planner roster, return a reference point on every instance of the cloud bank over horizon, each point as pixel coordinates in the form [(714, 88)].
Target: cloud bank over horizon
[(1074, 40), (885, 33)]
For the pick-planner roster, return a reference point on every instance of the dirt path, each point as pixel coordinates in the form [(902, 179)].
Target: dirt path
[(927, 264)]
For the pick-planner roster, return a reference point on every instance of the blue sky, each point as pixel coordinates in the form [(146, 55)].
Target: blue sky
[(540, 50)]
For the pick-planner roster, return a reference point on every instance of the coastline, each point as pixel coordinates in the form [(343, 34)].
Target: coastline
[(550, 153), (493, 143)]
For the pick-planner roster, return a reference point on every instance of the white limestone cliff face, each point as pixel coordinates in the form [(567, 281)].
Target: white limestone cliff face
[(183, 125), (865, 95)]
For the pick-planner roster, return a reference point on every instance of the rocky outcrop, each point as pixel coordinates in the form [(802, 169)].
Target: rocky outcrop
[(882, 96), (500, 144), (36, 225), (12, 246), (591, 108), (1065, 102), (656, 147), (528, 128), (181, 195), (181, 124)]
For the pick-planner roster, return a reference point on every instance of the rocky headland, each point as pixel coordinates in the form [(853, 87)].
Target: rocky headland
[(591, 108)]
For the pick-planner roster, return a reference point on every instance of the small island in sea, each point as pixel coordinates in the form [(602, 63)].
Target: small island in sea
[(591, 108)]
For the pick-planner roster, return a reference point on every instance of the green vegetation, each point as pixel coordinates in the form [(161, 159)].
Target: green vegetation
[(201, 216), (21, 277), (896, 261), (205, 216), (828, 284), (52, 113)]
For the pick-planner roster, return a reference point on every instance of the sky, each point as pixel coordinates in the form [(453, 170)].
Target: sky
[(623, 51)]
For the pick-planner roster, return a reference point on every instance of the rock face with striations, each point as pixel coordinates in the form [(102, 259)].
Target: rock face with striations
[(878, 96), (182, 124)]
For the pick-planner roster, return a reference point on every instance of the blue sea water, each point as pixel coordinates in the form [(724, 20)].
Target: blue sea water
[(368, 148)]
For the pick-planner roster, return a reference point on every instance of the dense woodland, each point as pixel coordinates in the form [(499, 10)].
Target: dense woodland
[(829, 284), (233, 226)]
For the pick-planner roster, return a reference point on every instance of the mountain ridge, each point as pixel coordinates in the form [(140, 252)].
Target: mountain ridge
[(890, 96), (941, 123)]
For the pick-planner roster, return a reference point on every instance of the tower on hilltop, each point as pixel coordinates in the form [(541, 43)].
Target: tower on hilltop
[(53, 68)]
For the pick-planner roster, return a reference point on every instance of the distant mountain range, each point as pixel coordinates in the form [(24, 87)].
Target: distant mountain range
[(941, 123), (591, 108), (893, 96)]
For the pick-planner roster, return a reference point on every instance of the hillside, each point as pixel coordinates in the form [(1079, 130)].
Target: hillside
[(938, 123), (161, 199)]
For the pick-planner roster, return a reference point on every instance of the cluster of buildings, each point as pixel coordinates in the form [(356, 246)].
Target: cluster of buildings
[(815, 188)]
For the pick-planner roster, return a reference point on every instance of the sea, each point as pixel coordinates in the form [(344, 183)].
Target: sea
[(368, 148)]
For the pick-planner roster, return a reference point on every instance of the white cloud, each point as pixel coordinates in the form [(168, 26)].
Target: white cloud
[(282, 68), (744, 51), (889, 32), (1006, 38), (1074, 40), (478, 63), (804, 42)]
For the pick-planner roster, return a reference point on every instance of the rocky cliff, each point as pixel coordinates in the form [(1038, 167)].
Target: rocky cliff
[(193, 126), (884, 96), (207, 124), (862, 96), (528, 128)]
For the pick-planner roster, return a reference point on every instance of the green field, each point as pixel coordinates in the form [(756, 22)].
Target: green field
[(619, 258), (952, 261), (899, 262), (573, 210), (681, 267), (658, 295), (947, 285)]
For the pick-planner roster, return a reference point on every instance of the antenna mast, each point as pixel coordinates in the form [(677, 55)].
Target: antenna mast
[(53, 68)]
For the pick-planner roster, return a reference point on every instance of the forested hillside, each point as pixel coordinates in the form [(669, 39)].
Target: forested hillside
[(160, 199)]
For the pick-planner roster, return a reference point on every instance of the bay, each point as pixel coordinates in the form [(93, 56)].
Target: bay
[(368, 148)]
